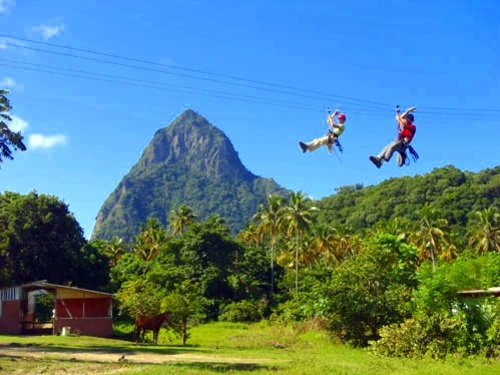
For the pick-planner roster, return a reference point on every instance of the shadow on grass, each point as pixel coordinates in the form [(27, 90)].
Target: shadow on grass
[(223, 367), (140, 348)]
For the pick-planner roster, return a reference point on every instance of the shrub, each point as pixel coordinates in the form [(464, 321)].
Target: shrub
[(243, 311), (434, 336)]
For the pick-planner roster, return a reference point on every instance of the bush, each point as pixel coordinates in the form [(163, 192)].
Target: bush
[(434, 336), (243, 311)]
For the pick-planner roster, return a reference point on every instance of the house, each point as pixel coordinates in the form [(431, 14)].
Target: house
[(83, 311)]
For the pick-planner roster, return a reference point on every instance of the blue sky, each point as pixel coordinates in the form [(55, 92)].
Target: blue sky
[(85, 134)]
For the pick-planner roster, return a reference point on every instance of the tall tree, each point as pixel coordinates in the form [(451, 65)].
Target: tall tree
[(180, 219), (9, 140), (431, 237), (485, 231), (296, 221), (269, 216), (150, 240), (324, 243), (113, 249), (40, 239)]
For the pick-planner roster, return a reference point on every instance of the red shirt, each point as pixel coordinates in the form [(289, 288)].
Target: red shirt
[(408, 131)]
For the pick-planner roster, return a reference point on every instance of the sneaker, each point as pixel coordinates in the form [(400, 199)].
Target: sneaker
[(375, 160), (303, 146)]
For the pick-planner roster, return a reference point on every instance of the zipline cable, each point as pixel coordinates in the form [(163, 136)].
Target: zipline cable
[(190, 69)]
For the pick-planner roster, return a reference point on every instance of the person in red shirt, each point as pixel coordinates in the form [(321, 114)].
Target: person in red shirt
[(406, 132)]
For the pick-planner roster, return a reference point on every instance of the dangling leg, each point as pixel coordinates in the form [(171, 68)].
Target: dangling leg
[(315, 144), (402, 157)]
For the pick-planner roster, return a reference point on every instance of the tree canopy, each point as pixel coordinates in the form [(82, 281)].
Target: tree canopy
[(9, 140)]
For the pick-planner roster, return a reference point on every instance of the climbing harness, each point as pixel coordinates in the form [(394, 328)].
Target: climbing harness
[(332, 137), (404, 156)]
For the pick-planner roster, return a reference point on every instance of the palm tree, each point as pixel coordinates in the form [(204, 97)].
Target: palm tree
[(268, 217), (296, 220), (325, 243), (432, 235), (250, 235), (149, 241), (114, 249), (180, 219), (485, 232)]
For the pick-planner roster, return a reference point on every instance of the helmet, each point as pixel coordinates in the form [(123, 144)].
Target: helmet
[(410, 117), (341, 117)]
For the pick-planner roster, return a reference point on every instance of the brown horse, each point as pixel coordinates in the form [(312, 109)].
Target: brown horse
[(152, 323)]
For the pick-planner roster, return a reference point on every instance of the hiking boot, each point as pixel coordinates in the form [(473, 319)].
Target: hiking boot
[(303, 146), (375, 160)]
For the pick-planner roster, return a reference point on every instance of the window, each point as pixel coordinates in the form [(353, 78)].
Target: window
[(10, 294)]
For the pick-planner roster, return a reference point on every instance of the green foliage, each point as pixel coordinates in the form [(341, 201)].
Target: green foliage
[(372, 289), (44, 306), (187, 306), (242, 311), (434, 336), (9, 140), (138, 297), (436, 293), (442, 321), (457, 194), (40, 239), (490, 272)]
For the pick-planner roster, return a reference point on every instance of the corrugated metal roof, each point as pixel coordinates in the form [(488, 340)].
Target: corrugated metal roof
[(480, 292), (45, 284)]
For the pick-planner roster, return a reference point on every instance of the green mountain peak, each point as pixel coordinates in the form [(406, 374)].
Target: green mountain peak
[(189, 162)]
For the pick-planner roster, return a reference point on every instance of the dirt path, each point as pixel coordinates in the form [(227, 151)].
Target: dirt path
[(135, 357)]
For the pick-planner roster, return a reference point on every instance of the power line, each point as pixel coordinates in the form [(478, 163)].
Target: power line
[(191, 76), (155, 83), (434, 111), (159, 88), (192, 70), (224, 95)]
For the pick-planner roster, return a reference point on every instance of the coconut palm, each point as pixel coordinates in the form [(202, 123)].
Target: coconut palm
[(296, 220), (431, 237), (485, 231), (114, 249), (324, 244), (180, 219), (250, 235), (149, 241), (268, 217)]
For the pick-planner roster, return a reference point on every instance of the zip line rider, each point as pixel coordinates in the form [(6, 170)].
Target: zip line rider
[(406, 132), (332, 136)]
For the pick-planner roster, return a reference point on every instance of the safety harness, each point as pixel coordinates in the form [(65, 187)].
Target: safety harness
[(332, 137), (414, 155)]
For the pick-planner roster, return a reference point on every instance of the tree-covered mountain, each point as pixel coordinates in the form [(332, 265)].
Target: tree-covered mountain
[(454, 193), (190, 162)]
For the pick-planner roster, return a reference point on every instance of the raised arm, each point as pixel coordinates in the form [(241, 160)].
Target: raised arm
[(401, 117), (331, 117)]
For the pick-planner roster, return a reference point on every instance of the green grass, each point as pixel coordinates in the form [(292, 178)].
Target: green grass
[(230, 348)]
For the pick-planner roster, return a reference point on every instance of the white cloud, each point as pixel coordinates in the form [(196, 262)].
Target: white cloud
[(48, 32), (46, 141), (17, 124), (5, 5), (9, 82)]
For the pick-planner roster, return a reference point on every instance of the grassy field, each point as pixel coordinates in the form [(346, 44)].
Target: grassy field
[(215, 348)]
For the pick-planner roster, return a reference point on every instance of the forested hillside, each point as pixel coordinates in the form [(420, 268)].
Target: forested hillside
[(457, 195)]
